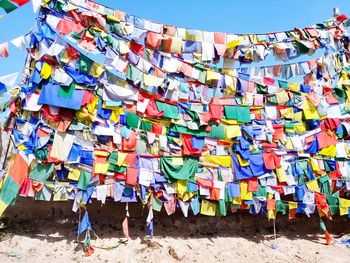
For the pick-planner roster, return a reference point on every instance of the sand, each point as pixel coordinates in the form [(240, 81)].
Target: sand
[(203, 239)]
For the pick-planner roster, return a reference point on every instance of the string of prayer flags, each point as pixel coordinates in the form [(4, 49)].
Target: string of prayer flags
[(207, 47), (19, 42)]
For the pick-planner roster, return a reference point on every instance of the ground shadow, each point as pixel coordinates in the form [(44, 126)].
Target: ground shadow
[(54, 221)]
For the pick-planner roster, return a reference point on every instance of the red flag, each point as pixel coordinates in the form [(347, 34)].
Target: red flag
[(20, 2), (328, 238), (19, 169), (131, 175), (292, 213), (4, 49), (322, 205), (341, 18), (89, 251)]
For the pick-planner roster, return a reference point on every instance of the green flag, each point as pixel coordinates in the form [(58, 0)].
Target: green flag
[(7, 6)]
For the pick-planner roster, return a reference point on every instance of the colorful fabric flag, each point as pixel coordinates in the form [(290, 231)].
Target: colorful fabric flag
[(20, 2), (36, 5), (19, 42), (17, 176), (8, 6), (4, 49), (84, 224), (10, 79)]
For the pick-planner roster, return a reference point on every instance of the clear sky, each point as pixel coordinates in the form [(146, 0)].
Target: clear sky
[(244, 16)]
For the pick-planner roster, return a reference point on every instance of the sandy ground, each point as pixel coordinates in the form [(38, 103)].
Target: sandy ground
[(231, 239)]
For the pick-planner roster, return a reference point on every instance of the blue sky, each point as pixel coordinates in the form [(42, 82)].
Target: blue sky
[(254, 16)]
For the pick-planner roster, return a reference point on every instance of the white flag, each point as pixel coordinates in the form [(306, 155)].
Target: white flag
[(55, 49), (52, 20), (19, 42), (10, 79), (36, 5)]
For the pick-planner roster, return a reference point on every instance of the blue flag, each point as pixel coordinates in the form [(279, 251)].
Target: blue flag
[(49, 95), (84, 224), (150, 228), (2, 88)]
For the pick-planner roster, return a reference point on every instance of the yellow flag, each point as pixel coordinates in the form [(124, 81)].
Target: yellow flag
[(343, 210), (330, 151), (289, 144), (113, 18), (245, 193), (46, 71), (232, 44), (281, 174), (3, 207), (121, 158), (344, 202), (180, 186), (298, 116), (314, 164), (22, 147), (232, 131), (294, 86), (287, 113), (313, 186), (101, 168), (230, 122), (236, 200), (271, 214), (292, 205), (74, 174), (187, 196), (208, 208), (115, 114), (344, 205), (224, 161), (213, 75), (96, 70), (100, 153), (311, 114), (300, 127)]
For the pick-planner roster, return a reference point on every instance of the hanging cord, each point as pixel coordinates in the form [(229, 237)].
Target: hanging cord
[(104, 246), (274, 244), (125, 225), (79, 225)]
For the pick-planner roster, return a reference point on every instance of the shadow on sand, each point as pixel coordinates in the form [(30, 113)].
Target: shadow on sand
[(54, 221)]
